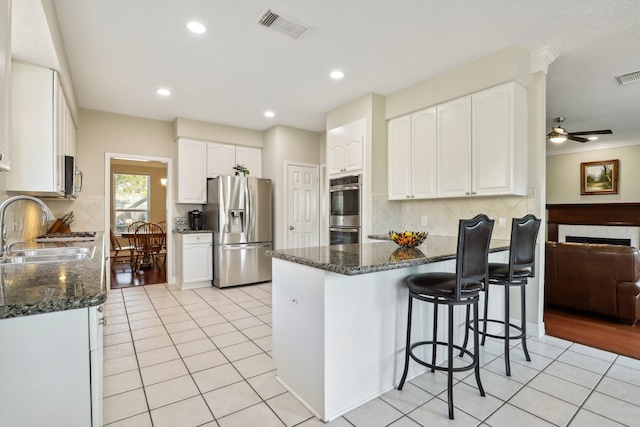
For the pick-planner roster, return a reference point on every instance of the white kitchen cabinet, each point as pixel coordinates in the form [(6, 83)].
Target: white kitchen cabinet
[(51, 369), (251, 158), (42, 131), (499, 135), (5, 82), (454, 148), (194, 263), (482, 143), (222, 158), (345, 147), (412, 156), (192, 171)]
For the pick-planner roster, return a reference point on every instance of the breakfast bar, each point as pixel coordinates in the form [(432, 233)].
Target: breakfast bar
[(340, 314)]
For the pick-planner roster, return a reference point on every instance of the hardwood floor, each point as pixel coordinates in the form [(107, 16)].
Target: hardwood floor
[(592, 330), (122, 276)]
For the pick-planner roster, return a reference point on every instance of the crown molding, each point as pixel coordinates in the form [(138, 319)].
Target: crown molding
[(542, 58)]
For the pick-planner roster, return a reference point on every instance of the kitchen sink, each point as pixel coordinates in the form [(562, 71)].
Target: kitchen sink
[(42, 255)]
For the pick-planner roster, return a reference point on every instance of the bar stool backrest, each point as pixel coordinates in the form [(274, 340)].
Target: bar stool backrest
[(522, 249), (474, 237)]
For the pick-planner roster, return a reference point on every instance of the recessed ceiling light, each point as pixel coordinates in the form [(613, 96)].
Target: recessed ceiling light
[(163, 92), (592, 138), (337, 74), (269, 114), (197, 27)]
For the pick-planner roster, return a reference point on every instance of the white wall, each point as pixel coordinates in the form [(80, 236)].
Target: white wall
[(563, 176), (282, 144)]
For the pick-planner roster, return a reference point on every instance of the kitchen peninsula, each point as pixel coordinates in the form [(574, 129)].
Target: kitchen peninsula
[(340, 314)]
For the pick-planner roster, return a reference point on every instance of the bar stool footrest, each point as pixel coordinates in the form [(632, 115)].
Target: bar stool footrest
[(442, 368), (502, 337)]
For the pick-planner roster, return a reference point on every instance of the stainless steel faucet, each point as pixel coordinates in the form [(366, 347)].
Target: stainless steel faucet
[(48, 215)]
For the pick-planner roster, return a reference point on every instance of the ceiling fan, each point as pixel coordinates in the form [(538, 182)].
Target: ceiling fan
[(558, 134)]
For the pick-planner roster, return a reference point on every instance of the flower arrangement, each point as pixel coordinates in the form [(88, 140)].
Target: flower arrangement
[(408, 239), (241, 169)]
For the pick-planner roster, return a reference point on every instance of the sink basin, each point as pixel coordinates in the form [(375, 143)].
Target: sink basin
[(41, 255)]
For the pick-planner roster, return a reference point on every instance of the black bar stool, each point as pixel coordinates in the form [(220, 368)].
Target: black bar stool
[(521, 266), (452, 289)]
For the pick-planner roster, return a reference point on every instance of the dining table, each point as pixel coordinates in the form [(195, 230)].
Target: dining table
[(132, 234)]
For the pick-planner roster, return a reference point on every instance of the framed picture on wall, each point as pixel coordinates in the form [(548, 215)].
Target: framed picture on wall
[(599, 177)]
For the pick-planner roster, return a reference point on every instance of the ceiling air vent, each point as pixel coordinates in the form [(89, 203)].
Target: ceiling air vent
[(288, 26), (625, 79)]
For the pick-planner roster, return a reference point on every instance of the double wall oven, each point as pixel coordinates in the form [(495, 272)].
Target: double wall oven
[(345, 210)]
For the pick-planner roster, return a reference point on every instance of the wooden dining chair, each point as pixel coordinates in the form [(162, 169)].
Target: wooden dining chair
[(119, 252), (134, 225), (148, 240)]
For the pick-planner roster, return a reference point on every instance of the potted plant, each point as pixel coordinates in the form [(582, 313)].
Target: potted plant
[(241, 169)]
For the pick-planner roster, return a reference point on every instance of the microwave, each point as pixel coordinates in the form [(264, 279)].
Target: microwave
[(73, 178)]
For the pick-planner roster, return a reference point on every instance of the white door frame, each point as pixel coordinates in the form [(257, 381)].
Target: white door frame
[(169, 204), (285, 229)]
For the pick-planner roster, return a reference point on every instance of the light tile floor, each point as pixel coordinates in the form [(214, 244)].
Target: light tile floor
[(203, 358)]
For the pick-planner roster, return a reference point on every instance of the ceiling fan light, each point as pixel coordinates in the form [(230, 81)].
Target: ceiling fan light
[(557, 139)]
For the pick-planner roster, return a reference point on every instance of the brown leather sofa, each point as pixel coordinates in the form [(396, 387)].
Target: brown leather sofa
[(603, 279)]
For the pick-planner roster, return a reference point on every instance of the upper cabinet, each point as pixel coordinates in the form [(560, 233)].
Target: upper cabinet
[(192, 171), (200, 160), (412, 156), (479, 143), (499, 136), (42, 132), (454, 148), (222, 158), (5, 82), (345, 147)]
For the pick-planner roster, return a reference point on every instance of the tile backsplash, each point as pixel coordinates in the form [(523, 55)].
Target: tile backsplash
[(88, 211), (443, 214)]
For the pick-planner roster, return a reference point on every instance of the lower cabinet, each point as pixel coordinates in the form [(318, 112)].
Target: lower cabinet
[(194, 261), (51, 369)]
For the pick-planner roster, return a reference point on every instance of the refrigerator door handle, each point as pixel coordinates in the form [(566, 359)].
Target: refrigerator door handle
[(245, 246)]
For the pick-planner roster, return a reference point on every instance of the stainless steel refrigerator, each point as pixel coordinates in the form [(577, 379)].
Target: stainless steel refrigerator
[(238, 210)]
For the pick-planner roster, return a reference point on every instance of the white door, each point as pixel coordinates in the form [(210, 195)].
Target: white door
[(302, 206)]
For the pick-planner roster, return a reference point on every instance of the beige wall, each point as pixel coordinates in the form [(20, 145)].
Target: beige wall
[(101, 132), (216, 133), (285, 144), (563, 176), (509, 64)]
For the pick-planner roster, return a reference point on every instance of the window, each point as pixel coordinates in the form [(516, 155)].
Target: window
[(130, 199)]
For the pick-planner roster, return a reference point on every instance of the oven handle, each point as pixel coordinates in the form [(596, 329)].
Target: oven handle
[(349, 187), (348, 230)]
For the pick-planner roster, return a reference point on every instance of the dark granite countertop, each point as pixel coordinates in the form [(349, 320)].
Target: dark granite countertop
[(379, 256), (192, 231), (379, 237), (27, 289)]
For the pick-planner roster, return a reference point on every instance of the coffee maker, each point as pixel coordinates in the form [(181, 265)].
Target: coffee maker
[(196, 220)]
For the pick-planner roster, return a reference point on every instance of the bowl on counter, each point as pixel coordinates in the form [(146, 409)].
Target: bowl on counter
[(408, 239), (403, 254)]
